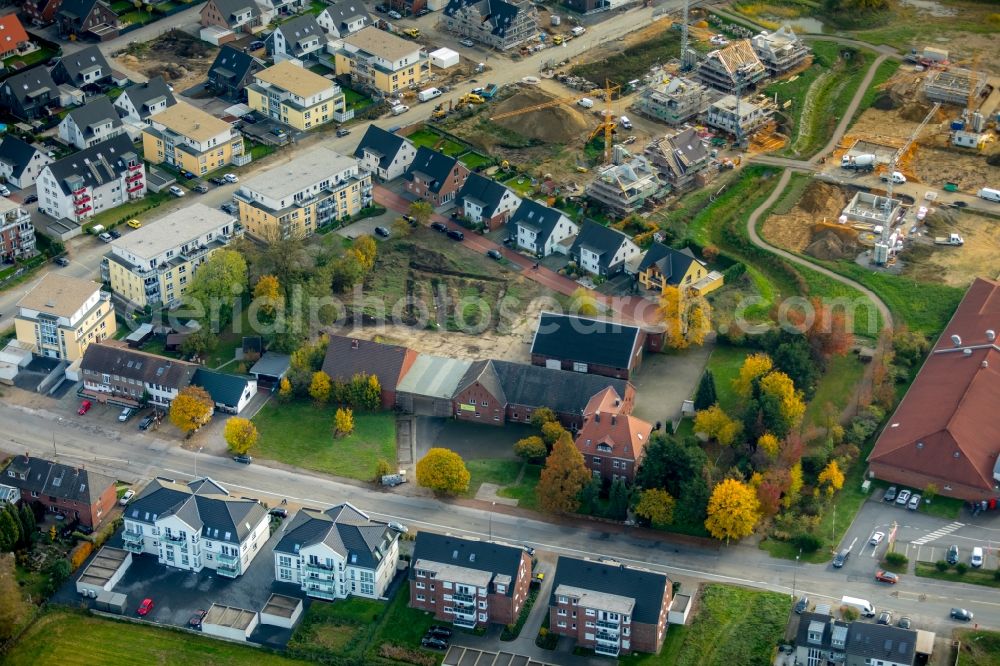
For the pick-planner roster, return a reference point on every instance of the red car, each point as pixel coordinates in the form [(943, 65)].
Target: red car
[(145, 606), (195, 621), (84, 407), (886, 577)]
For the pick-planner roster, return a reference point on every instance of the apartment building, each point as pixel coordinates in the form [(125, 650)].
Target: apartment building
[(780, 51), (112, 373), (381, 62), (611, 609), (195, 526), (86, 183), (90, 124), (74, 492), (495, 23), (337, 553), (155, 264), (611, 440), (678, 158), (62, 315), (17, 233), (624, 187), (190, 139), (294, 199), (469, 583), (295, 96), (675, 100)]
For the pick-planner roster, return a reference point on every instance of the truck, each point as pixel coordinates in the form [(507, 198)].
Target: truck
[(950, 239), (858, 162), (489, 91), (989, 194), (862, 605), (412, 33), (896, 177), (428, 94), (578, 30)]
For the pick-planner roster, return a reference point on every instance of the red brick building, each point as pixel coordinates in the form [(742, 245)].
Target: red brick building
[(346, 357), (944, 431), (612, 442), (435, 177), (611, 609), (74, 492), (587, 345), (40, 12), (469, 583)]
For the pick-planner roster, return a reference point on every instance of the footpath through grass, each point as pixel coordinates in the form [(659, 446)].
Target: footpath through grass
[(734, 625), (71, 638), (300, 433)]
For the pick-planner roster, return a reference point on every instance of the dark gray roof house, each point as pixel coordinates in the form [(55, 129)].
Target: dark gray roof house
[(94, 166), (238, 12), (586, 342), (432, 167), (346, 357), (299, 37), (350, 533), (141, 100), (645, 588), (344, 18), (542, 226), (231, 72), (230, 393), (86, 68), (79, 17), (672, 264), (135, 365), (30, 94), (498, 23), (602, 250), (20, 162), (384, 153), (853, 643), (95, 121), (484, 192), (44, 479), (495, 558)]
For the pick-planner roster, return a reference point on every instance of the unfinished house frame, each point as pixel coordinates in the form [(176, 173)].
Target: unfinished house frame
[(624, 187), (675, 100), (739, 119), (781, 51), (872, 209), (496, 23), (678, 158), (732, 69), (954, 86)]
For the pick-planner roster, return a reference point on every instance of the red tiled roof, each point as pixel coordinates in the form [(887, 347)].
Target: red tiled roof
[(12, 33), (603, 423), (946, 428)]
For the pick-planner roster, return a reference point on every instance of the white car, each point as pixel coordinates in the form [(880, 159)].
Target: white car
[(467, 42), (231, 178), (876, 538), (176, 191), (4, 191), (394, 14), (922, 212), (129, 494), (719, 40)]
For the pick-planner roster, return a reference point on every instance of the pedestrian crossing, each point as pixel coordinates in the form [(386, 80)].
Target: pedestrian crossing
[(937, 534)]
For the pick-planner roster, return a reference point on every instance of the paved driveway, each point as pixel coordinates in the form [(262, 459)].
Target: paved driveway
[(666, 380), (469, 440)]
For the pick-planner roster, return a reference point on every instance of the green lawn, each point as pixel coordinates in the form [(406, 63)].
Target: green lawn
[(979, 647), (316, 7), (524, 492), (425, 138), (943, 507), (356, 100), (451, 148), (725, 363), (127, 211), (502, 472), (300, 433), (69, 638), (474, 160), (41, 55), (985, 577), (733, 625), (836, 386)]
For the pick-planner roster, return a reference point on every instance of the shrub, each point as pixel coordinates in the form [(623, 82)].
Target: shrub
[(849, 613), (399, 653), (941, 565), (996, 575), (809, 543), (79, 554), (896, 559), (961, 568)]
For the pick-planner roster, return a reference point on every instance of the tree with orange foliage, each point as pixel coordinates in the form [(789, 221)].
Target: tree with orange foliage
[(829, 333)]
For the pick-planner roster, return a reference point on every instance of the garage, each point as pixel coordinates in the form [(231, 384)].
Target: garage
[(103, 572), (228, 622), (428, 387)]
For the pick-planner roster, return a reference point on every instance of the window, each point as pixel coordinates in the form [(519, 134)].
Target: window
[(590, 612), (421, 597), (562, 612), (420, 586), (562, 624)]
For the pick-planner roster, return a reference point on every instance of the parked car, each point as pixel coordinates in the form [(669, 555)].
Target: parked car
[(145, 606), (129, 494), (841, 558), (885, 617), (147, 422), (201, 188), (62, 261), (914, 502), (115, 234), (4, 191), (176, 191), (125, 415), (802, 605), (903, 497), (135, 224), (244, 458), (402, 529), (84, 407), (106, 237), (217, 180), (961, 614), (231, 178), (249, 119), (230, 208), (187, 174), (438, 631), (423, 12), (876, 539), (886, 577), (382, 231), (394, 14), (433, 643), (952, 556), (278, 132), (31, 198), (467, 42), (904, 622), (439, 226), (341, 131), (977, 557), (279, 512), (195, 621), (456, 235), (255, 45), (494, 254)]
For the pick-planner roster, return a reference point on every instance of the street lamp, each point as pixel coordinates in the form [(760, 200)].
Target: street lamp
[(795, 572), (492, 506), (196, 461)]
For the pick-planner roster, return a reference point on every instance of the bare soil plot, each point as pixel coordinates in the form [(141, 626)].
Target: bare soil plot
[(181, 59), (956, 266)]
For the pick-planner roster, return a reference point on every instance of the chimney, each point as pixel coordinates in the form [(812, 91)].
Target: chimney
[(614, 419), (354, 344), (27, 456)]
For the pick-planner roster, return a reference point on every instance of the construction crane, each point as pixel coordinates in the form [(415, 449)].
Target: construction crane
[(684, 35), (537, 107)]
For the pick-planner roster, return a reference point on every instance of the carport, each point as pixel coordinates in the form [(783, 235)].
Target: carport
[(104, 571), (460, 656), (428, 387), (228, 622)]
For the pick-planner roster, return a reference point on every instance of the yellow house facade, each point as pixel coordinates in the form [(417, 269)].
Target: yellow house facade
[(294, 199), (62, 315), (190, 139), (663, 266), (381, 61), (295, 96)]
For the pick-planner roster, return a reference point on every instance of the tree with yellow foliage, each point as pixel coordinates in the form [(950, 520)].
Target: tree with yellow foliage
[(267, 292), (191, 409), (364, 249), (240, 434), (769, 444), (285, 389), (795, 483), (717, 425), (343, 422), (443, 471), (319, 387), (686, 319), (657, 506), (754, 367), (583, 303), (564, 476), (792, 405), (733, 510), (831, 477)]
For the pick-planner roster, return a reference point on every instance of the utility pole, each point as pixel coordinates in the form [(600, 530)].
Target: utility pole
[(795, 572), (197, 453), (492, 506)]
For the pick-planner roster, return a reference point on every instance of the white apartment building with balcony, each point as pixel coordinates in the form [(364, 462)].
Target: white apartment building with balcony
[(17, 233), (337, 553), (196, 526)]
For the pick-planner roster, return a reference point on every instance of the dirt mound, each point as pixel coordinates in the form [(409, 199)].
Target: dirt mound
[(830, 245), (915, 112), (821, 197), (169, 71), (556, 124)]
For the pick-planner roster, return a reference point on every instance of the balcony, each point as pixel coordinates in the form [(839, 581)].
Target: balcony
[(604, 624), (607, 650), (133, 547), (607, 637), (135, 187), (174, 537), (135, 175), (320, 569), (465, 623), (81, 198), (464, 598), (320, 593)]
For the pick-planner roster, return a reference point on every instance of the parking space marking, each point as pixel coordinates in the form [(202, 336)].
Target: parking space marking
[(937, 534)]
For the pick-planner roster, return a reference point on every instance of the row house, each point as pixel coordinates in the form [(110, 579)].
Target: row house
[(189, 139), (141, 100), (86, 183), (90, 124), (540, 229), (232, 72), (344, 18), (61, 316), (337, 553), (86, 69), (381, 62), (679, 158), (17, 233), (74, 492), (469, 583), (30, 95), (294, 199), (300, 38), (435, 177), (87, 18), (295, 96), (384, 154), (601, 250), (484, 201), (609, 608), (196, 526), (40, 12), (113, 373), (21, 162), (240, 16), (496, 24)]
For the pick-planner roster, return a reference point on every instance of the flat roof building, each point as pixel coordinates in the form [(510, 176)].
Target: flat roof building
[(61, 315), (295, 96)]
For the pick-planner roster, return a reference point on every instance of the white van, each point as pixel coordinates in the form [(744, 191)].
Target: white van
[(400, 109), (586, 103), (989, 194), (578, 30), (625, 122), (977, 557), (428, 95), (863, 606), (897, 178)]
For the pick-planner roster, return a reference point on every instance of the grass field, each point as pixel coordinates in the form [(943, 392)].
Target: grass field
[(836, 387), (524, 492), (474, 160), (979, 648), (300, 433), (69, 638), (633, 62), (725, 365), (734, 625), (502, 472), (985, 577)]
